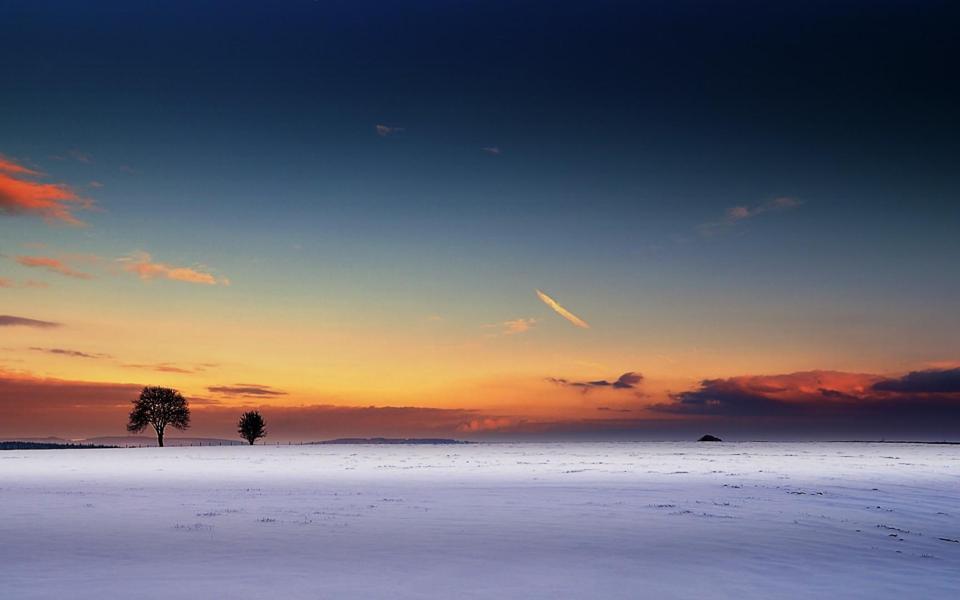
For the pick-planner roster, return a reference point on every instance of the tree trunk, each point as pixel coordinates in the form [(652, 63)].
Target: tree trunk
[(252, 441), (160, 439)]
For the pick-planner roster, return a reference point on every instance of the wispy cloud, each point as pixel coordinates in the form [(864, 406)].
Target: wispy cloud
[(54, 265), (12, 321), (387, 130), (80, 156), (735, 214), (627, 381), (13, 168), (6, 282), (74, 154), (249, 390), (487, 424), (20, 194), (142, 264), (492, 150), (70, 353), (163, 368), (521, 325), (560, 310)]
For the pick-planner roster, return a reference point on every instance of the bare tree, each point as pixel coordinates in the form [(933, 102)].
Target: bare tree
[(251, 426), (159, 407)]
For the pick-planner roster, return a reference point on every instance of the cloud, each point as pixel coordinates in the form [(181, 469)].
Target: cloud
[(828, 399), (42, 406), (162, 368), (521, 325), (728, 397), (386, 130), (29, 283), (11, 321), (735, 214), (71, 353), (566, 314), (53, 265), (487, 424), (249, 390), (36, 406), (20, 194), (80, 156), (12, 168), (806, 405), (143, 265), (627, 381), (491, 150), (931, 381)]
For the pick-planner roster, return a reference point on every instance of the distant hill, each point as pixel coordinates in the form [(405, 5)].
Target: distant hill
[(136, 441), (142, 440), (387, 441), (19, 445), (42, 440)]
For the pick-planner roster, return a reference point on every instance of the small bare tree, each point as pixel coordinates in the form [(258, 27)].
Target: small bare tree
[(159, 407), (251, 426)]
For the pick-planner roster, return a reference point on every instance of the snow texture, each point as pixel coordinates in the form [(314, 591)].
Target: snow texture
[(624, 520)]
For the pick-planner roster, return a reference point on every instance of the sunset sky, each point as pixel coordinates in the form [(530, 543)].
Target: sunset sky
[(490, 220)]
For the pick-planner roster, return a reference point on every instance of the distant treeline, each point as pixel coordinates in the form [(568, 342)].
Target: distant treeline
[(45, 446), (380, 440)]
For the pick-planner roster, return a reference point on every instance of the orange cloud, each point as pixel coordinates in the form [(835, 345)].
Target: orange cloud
[(52, 264), (8, 166), (20, 195), (144, 266), (487, 424), (518, 325)]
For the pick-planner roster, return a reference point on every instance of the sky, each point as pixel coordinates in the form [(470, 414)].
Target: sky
[(483, 220)]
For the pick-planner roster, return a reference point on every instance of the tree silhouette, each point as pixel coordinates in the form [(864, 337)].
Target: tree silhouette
[(251, 426), (159, 407)]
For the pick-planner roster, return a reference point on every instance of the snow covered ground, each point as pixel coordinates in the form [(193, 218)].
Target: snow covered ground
[(624, 520)]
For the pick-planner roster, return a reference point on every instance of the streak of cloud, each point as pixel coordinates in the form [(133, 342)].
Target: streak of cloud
[(386, 130), (736, 214), (54, 265), (560, 310), (163, 368), (70, 353), (249, 390), (12, 321), (627, 381), (142, 264), (19, 194), (521, 325), (487, 424)]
